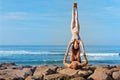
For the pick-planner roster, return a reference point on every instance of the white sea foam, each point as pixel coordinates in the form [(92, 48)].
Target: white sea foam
[(102, 54), (2, 52), (28, 52)]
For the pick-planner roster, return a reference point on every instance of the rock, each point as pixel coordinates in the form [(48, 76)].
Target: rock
[(100, 74), (53, 68), (15, 74), (2, 79), (27, 71), (85, 73), (118, 67), (114, 69), (2, 68), (44, 70), (69, 72), (10, 77), (103, 67), (39, 77), (57, 76), (9, 71), (89, 67), (78, 78), (60, 68), (27, 66), (30, 78), (7, 64), (116, 75)]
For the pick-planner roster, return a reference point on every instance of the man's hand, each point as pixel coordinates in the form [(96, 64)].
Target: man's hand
[(65, 57)]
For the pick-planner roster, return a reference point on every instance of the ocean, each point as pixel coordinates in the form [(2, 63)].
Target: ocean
[(53, 55)]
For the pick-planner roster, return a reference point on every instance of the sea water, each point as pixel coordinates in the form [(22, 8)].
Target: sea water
[(53, 55)]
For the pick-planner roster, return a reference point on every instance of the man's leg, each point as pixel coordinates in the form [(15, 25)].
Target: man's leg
[(72, 57), (78, 58)]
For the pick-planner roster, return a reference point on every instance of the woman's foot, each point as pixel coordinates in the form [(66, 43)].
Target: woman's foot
[(75, 5)]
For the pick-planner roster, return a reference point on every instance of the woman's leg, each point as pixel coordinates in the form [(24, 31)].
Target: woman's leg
[(73, 18), (77, 26)]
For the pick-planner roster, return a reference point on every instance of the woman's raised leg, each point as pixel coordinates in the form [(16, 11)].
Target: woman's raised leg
[(73, 18), (77, 26)]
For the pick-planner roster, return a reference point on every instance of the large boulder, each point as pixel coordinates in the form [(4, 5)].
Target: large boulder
[(57, 76), (29, 78), (85, 73), (15, 74), (116, 75), (41, 71), (118, 67), (6, 65), (34, 78), (100, 74), (89, 67), (69, 72), (78, 78)]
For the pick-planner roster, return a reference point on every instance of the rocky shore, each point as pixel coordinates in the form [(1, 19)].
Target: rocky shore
[(10, 71)]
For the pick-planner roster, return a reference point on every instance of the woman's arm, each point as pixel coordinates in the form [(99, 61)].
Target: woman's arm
[(82, 45), (67, 51)]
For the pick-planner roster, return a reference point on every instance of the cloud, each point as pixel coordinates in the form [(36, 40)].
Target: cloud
[(13, 16), (112, 10)]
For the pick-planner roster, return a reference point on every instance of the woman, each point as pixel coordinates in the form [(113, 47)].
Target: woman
[(75, 23), (75, 41)]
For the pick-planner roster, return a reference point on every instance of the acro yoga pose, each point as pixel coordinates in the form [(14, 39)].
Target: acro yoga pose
[(75, 41), (75, 64)]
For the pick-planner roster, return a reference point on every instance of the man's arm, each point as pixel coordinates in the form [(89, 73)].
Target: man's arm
[(85, 62), (65, 61), (66, 54)]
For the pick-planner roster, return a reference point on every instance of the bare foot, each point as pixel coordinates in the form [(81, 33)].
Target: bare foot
[(75, 5)]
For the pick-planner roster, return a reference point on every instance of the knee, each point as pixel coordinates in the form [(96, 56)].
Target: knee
[(72, 59)]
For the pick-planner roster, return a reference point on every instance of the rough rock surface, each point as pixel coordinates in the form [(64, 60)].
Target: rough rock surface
[(10, 71), (116, 75)]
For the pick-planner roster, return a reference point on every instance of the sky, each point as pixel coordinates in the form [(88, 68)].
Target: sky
[(47, 22)]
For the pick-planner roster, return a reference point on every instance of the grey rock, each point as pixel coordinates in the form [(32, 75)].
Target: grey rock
[(116, 75)]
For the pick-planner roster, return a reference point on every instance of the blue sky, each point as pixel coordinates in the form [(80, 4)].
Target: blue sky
[(47, 22)]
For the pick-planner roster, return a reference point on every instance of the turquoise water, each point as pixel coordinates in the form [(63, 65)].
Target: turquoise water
[(49, 55)]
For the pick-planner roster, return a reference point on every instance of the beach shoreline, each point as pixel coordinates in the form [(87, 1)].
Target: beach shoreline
[(10, 71)]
